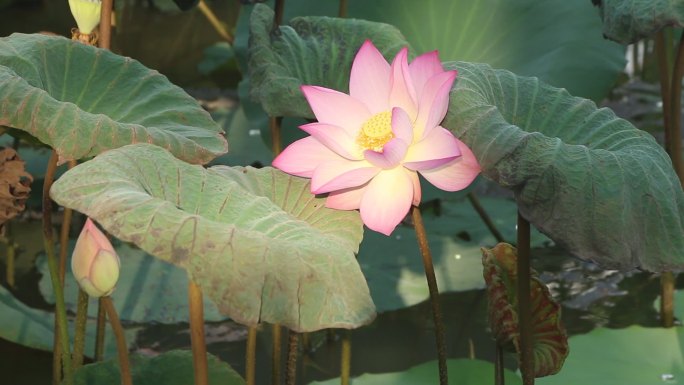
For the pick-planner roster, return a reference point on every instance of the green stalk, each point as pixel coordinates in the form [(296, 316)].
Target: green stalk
[(293, 347), (524, 305), (214, 21), (667, 286), (279, 9), (499, 366), (199, 346), (440, 339), (276, 138), (79, 334), (277, 337), (475, 202), (11, 255), (61, 334), (345, 365), (342, 11), (250, 356), (106, 24), (676, 112), (121, 347), (100, 331)]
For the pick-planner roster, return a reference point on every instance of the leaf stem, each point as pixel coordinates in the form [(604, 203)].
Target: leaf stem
[(421, 235), (524, 305), (199, 346), (667, 286), (121, 347), (61, 347), (276, 364), (275, 123), (100, 331), (8, 239), (79, 333), (345, 365), (293, 348), (279, 9), (250, 356), (342, 11), (105, 40), (499, 366), (214, 21), (675, 136), (475, 202)]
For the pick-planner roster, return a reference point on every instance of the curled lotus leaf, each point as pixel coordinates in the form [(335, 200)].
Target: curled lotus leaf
[(550, 341), (628, 21), (257, 242), (81, 100)]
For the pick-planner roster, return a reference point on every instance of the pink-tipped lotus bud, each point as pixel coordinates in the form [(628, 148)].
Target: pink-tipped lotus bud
[(94, 262)]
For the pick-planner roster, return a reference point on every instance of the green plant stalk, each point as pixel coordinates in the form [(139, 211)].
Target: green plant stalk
[(100, 331), (667, 286), (80, 332), (475, 202), (635, 57), (524, 305), (199, 345), (293, 349), (664, 77), (275, 360), (342, 11), (676, 112), (121, 347), (61, 347), (11, 256), (250, 356), (499, 366), (345, 364), (214, 21), (275, 125), (440, 338), (279, 9), (105, 40)]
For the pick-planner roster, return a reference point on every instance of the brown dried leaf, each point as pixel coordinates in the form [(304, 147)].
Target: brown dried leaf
[(15, 184)]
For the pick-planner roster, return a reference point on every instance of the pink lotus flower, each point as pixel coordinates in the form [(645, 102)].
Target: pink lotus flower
[(367, 148)]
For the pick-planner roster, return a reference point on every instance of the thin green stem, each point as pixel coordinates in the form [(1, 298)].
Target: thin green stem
[(279, 9), (276, 364), (292, 352), (524, 305), (635, 58), (11, 254), (499, 366), (667, 286), (250, 356), (676, 112), (276, 137), (214, 21), (80, 332), (664, 77), (61, 334), (342, 11), (100, 331), (199, 346), (121, 346), (475, 202), (106, 24), (440, 339), (345, 364)]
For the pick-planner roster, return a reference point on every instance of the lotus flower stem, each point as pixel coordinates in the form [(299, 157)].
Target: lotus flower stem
[(250, 356), (121, 346), (279, 9), (499, 366), (106, 24), (100, 331), (524, 303), (345, 365), (64, 235), (276, 139), (199, 346), (434, 293), (214, 21), (675, 130), (61, 346), (276, 364), (8, 240), (475, 202), (292, 351), (667, 286), (342, 12), (79, 334)]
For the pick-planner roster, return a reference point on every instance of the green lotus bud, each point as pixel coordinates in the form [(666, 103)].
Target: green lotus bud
[(94, 262), (86, 13)]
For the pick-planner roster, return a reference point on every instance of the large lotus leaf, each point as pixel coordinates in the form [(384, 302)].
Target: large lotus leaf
[(174, 367), (148, 290), (311, 50), (557, 40), (82, 100), (393, 266), (461, 371), (592, 182), (257, 242), (550, 341), (627, 21), (35, 328), (630, 356)]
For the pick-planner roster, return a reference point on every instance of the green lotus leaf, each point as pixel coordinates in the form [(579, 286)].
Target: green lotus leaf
[(593, 183), (82, 100), (629, 356), (174, 367), (311, 50), (461, 371), (260, 245), (550, 341), (628, 21)]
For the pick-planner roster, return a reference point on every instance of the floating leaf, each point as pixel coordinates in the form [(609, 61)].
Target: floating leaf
[(627, 21), (462, 371), (630, 356), (174, 367), (82, 100), (593, 183), (550, 341), (311, 50), (257, 242)]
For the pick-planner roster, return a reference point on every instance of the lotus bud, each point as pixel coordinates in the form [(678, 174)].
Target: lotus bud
[(86, 13), (94, 262)]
